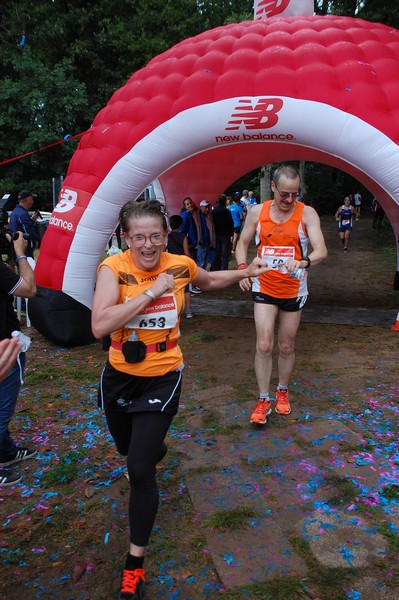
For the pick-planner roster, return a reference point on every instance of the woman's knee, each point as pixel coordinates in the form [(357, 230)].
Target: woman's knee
[(139, 472)]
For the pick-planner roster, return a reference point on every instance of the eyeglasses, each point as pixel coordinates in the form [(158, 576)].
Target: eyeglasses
[(157, 239), (286, 195)]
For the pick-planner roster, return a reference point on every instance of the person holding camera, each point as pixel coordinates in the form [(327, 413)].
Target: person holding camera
[(23, 285), (20, 220), (138, 301)]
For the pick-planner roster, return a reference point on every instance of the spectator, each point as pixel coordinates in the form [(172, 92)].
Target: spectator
[(192, 226), (178, 244), (238, 215), (244, 200), (208, 249), (224, 230), (358, 203), (22, 285), (21, 221), (118, 237), (378, 214), (251, 200)]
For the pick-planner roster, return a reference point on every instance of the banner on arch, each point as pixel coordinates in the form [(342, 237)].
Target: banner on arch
[(266, 9)]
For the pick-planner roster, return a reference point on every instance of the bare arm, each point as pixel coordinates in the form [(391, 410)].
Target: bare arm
[(185, 247), (311, 221), (107, 315), (337, 213), (215, 280), (27, 287)]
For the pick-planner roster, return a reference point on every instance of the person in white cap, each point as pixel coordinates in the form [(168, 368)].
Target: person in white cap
[(207, 251)]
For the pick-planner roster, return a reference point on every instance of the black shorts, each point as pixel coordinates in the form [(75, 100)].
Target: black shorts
[(285, 304), (130, 393), (237, 229)]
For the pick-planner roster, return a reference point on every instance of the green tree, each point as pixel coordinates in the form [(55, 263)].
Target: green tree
[(61, 62)]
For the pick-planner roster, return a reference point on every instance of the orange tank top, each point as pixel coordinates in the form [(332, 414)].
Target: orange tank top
[(275, 244), (159, 321)]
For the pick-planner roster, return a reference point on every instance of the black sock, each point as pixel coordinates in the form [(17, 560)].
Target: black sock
[(134, 562)]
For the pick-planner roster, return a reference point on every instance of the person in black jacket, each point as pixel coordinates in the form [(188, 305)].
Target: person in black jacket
[(13, 284), (224, 229)]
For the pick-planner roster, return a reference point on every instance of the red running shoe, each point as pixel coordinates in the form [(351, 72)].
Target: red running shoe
[(262, 409), (282, 402)]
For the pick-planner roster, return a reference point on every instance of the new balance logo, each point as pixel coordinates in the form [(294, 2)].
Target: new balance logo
[(270, 8), (66, 201), (261, 116)]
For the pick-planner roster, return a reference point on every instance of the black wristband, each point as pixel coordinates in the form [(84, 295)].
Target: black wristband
[(307, 259)]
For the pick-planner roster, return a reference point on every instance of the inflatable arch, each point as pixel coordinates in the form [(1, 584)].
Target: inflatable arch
[(213, 107)]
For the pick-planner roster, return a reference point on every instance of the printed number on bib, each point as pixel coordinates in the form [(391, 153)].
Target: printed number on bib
[(345, 221), (276, 256), (159, 314)]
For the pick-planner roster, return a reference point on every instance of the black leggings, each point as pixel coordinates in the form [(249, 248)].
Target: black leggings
[(140, 436)]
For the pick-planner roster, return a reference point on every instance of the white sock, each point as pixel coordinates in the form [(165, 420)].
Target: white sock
[(264, 397)]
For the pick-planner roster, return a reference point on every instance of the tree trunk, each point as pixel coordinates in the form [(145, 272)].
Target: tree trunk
[(302, 173), (265, 188)]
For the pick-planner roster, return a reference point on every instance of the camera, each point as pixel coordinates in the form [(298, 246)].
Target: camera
[(13, 235), (6, 246)]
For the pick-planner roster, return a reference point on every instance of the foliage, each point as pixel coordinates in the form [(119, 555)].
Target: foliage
[(62, 61)]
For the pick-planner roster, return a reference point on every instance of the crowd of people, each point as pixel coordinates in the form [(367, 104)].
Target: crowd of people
[(213, 231)]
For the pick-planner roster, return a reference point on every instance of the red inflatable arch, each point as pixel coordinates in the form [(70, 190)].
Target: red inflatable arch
[(197, 117)]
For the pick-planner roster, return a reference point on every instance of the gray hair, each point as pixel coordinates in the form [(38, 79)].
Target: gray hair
[(289, 171)]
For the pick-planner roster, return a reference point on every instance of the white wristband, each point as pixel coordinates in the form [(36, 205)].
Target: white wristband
[(149, 293)]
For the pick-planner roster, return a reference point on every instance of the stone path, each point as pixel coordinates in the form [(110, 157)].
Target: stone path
[(289, 473), (367, 317)]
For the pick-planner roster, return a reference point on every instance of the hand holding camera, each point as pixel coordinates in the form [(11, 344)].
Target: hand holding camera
[(20, 242)]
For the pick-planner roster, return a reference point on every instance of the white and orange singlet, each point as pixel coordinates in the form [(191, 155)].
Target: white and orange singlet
[(276, 243), (156, 323)]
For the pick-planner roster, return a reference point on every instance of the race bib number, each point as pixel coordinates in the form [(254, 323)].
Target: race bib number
[(276, 256), (345, 221), (159, 314)]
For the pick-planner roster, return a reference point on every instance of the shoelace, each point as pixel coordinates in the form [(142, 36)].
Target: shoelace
[(130, 579), (283, 396), (259, 408)]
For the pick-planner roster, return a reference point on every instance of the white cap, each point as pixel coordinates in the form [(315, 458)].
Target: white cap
[(204, 203)]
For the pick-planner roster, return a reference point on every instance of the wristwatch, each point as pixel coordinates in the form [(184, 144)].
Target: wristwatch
[(307, 259), (149, 293)]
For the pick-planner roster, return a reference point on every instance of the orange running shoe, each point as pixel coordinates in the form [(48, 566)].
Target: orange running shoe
[(132, 586), (262, 409), (282, 402)]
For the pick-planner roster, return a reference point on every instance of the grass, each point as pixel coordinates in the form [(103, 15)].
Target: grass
[(328, 581), (289, 588), (65, 471), (346, 492), (226, 520)]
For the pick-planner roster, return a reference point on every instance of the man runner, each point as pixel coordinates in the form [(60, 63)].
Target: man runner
[(282, 228)]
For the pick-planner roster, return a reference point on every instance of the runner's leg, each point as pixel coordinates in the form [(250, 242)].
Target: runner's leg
[(265, 317), (288, 328)]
